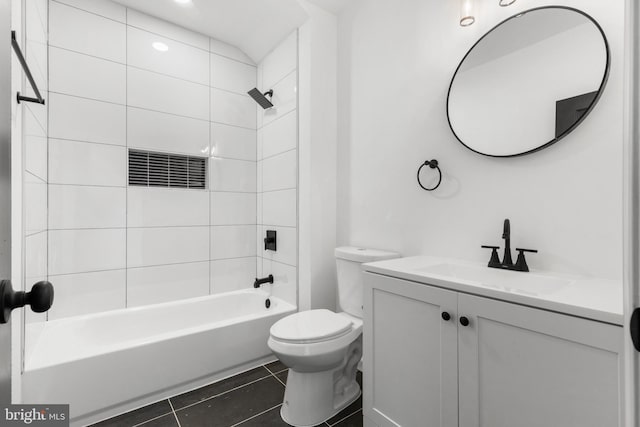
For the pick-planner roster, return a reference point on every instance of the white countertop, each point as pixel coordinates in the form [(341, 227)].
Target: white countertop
[(591, 298)]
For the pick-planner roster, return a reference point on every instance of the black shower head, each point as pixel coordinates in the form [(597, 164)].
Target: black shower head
[(261, 98)]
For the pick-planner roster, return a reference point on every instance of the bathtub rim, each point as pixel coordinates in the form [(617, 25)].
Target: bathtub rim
[(30, 365)]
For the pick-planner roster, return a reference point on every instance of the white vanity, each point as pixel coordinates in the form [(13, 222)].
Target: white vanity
[(450, 343)]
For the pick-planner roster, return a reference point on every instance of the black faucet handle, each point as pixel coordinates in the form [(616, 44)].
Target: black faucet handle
[(495, 259), (521, 262)]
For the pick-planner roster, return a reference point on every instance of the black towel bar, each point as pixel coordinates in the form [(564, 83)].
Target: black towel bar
[(39, 99)]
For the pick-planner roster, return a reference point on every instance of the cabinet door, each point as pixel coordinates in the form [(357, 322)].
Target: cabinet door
[(410, 362), (526, 367)]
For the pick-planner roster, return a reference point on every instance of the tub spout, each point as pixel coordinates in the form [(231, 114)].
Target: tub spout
[(258, 282)]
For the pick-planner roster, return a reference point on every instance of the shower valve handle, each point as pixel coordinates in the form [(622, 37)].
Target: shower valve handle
[(40, 298)]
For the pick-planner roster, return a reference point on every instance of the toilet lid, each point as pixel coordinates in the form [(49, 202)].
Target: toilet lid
[(311, 326)]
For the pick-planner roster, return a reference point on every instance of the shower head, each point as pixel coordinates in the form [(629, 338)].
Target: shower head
[(261, 98)]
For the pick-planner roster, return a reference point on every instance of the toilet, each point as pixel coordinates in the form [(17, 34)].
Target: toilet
[(322, 349)]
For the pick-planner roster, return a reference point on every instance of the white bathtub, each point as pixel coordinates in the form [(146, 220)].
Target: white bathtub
[(107, 363)]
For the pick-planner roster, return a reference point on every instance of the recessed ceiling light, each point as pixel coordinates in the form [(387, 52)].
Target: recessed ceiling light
[(183, 1), (159, 46)]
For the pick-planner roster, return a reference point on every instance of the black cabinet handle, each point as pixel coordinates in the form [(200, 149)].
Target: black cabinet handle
[(446, 316), (464, 321), (40, 298)]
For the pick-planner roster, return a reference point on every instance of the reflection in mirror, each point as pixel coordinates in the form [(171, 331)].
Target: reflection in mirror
[(528, 82)]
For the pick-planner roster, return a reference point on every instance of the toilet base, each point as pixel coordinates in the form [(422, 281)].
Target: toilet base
[(311, 398)]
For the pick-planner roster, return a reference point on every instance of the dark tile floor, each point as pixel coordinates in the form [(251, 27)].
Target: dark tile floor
[(250, 399)]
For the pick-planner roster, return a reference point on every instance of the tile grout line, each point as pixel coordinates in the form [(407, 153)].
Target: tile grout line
[(344, 418), (146, 421), (220, 394), (274, 375), (256, 415), (174, 412)]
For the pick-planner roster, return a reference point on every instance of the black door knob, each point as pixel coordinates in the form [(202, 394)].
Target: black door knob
[(40, 298), (446, 316), (464, 321)]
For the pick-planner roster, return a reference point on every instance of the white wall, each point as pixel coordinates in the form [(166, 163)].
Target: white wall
[(112, 245), (277, 175), (395, 63), (318, 150)]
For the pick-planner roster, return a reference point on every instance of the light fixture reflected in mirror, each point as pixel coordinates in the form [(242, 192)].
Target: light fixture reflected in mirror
[(505, 3), (159, 46), (467, 16)]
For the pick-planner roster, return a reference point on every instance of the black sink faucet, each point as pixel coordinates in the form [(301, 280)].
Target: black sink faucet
[(507, 262), (506, 235)]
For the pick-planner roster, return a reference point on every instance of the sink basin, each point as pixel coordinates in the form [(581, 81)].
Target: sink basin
[(509, 281)]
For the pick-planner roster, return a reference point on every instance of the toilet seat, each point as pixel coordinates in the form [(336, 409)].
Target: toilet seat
[(333, 343), (311, 326)]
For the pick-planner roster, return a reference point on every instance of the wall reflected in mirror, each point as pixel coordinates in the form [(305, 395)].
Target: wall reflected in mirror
[(528, 82)]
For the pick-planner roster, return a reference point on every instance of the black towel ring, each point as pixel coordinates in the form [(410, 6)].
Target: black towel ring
[(433, 164)]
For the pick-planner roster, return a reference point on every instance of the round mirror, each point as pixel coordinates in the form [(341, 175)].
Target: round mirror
[(528, 82)]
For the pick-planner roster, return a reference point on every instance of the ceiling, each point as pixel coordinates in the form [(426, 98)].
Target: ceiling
[(254, 26), (333, 6)]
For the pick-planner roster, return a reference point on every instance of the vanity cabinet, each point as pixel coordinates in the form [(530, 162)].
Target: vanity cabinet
[(437, 357)]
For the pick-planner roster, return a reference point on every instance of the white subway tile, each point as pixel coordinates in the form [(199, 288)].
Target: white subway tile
[(88, 33), (88, 120), (231, 142), (180, 60), (233, 208), (153, 285), (232, 274), (35, 204), (158, 92), (259, 173), (35, 260), (84, 163), (37, 13), (35, 145), (280, 172), (232, 75), (233, 109), (286, 243), (224, 49), (280, 136), (171, 245), (232, 175), (172, 31), (72, 206), (81, 251), (77, 74), (39, 112), (285, 99), (35, 153), (162, 207), (107, 8), (285, 282), (279, 208), (281, 61), (88, 293), (156, 131), (233, 241), (36, 56), (259, 143)]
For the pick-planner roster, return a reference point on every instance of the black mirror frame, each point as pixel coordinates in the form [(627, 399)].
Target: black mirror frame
[(603, 83)]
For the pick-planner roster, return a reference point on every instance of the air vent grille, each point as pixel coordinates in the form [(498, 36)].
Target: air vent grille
[(150, 169)]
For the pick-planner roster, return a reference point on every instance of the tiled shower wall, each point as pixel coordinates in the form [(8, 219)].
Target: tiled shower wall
[(114, 246), (277, 167), (35, 125)]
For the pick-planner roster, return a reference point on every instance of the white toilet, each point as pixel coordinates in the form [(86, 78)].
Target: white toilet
[(322, 348)]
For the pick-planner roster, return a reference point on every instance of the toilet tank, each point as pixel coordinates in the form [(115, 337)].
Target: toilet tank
[(349, 261)]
